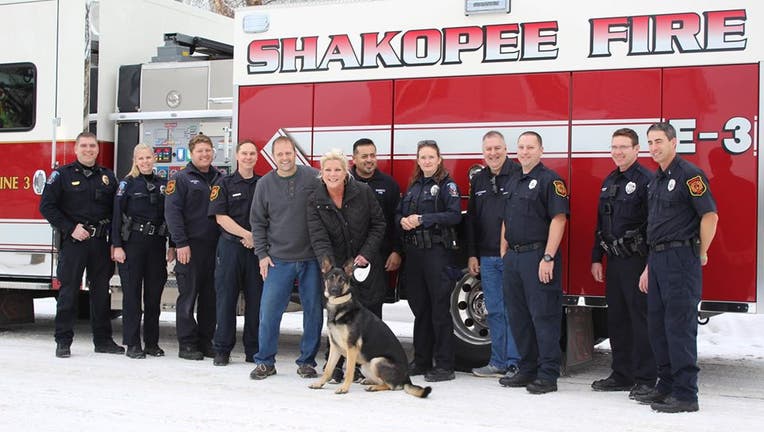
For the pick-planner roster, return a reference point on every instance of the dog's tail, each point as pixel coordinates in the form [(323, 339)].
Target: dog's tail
[(415, 390)]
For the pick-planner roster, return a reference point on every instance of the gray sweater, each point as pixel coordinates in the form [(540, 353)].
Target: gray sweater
[(279, 215)]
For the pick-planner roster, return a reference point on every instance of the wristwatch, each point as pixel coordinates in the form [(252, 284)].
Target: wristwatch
[(419, 219), (548, 258)]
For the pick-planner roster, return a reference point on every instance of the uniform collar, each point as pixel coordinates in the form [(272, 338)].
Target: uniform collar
[(672, 167), (534, 172), (237, 177), (192, 168), (80, 167), (374, 175), (630, 173)]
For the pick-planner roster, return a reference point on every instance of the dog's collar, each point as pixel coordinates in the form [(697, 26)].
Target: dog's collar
[(340, 299)]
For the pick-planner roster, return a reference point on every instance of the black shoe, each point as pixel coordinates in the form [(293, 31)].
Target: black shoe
[(651, 397), (639, 390), (135, 352), (221, 359), (611, 383), (439, 374), (249, 358), (415, 369), (109, 347), (673, 405), (516, 380), (63, 350), (190, 352), (154, 351), (541, 386), (337, 376)]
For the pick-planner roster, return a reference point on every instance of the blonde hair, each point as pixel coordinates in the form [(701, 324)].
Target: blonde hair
[(334, 154), (134, 171)]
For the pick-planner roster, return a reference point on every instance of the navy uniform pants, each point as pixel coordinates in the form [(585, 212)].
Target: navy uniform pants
[(674, 288), (143, 275), (236, 269), (633, 360), (428, 288), (535, 313), (196, 281), (73, 258)]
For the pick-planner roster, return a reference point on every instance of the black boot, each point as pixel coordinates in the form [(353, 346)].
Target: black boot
[(135, 352)]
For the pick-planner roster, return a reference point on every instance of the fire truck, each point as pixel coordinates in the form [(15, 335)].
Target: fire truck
[(397, 72), (400, 71), (59, 70)]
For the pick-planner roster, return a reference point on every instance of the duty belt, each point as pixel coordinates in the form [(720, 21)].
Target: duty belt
[(660, 247), (229, 236), (149, 228), (99, 229), (527, 247)]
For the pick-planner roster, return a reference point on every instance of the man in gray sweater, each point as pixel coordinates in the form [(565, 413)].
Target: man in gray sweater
[(282, 244)]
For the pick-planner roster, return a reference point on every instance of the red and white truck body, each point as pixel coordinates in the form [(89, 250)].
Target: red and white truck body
[(399, 71), (58, 76)]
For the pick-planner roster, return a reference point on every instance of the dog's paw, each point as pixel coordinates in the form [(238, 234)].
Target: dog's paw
[(368, 382), (316, 385), (371, 388), (341, 390)]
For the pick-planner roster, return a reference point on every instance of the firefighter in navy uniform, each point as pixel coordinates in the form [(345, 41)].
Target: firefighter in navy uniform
[(77, 201), (534, 222), (195, 235), (681, 224), (139, 235), (236, 265), (621, 235), (428, 215)]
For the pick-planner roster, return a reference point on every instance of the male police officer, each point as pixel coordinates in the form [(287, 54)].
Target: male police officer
[(388, 194), (484, 214), (681, 224), (236, 268), (534, 222), (78, 201), (195, 235), (621, 235)]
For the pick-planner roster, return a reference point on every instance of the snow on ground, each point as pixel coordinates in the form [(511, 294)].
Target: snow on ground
[(101, 392)]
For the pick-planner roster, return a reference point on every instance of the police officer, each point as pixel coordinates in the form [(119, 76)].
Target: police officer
[(139, 235), (681, 224), (77, 201), (388, 195), (428, 214), (534, 222), (195, 235), (236, 268), (621, 235), (483, 228)]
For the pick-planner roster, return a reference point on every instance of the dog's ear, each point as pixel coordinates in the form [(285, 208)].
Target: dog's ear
[(326, 264), (348, 267)]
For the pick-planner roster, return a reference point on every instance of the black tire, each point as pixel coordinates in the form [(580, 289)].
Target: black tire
[(472, 342)]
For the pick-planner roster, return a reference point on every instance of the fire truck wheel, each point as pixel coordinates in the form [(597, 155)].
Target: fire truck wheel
[(472, 343)]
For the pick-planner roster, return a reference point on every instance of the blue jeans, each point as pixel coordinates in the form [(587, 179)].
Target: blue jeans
[(277, 289), (503, 349)]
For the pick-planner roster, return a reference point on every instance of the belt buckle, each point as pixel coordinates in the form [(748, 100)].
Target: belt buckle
[(152, 230), (91, 230), (516, 248)]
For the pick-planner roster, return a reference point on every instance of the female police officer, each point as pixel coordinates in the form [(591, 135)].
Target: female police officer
[(428, 214), (139, 236)]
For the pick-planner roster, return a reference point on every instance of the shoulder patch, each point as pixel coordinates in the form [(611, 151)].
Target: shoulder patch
[(697, 186), (121, 188), (170, 188), (52, 177), (560, 189), (452, 190), (214, 193)]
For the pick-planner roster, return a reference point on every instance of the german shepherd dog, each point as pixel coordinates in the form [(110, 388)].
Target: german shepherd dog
[(363, 338)]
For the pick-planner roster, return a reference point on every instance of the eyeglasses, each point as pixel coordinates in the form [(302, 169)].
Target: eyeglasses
[(426, 143), (620, 148)]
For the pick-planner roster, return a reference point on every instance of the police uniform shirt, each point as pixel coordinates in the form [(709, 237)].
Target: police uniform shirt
[(622, 205), (486, 209), (76, 194), (388, 195), (141, 199), (439, 204), (187, 198), (232, 196), (534, 199), (677, 198)]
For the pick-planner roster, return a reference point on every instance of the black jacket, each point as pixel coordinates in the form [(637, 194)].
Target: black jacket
[(342, 234)]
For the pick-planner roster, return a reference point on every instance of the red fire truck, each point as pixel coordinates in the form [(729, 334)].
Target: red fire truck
[(399, 71)]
